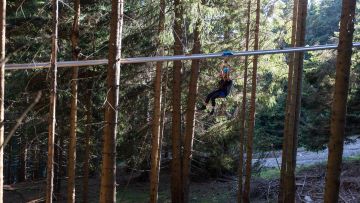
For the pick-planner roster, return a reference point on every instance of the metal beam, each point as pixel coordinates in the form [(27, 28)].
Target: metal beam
[(172, 58)]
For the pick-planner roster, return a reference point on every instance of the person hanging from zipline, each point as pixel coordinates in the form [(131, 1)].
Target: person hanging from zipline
[(224, 87)]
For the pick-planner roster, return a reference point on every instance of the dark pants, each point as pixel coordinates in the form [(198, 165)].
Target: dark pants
[(214, 95)]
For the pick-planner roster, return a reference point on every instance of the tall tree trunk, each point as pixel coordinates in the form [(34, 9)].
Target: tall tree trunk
[(176, 183), (57, 171), (73, 113), (338, 110), (88, 132), (163, 108), (156, 123), (250, 135), (23, 157), (243, 107), (2, 90), (290, 188), (293, 105), (288, 102), (52, 113), (108, 168), (190, 112)]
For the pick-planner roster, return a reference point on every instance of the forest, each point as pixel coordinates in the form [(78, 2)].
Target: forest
[(110, 130)]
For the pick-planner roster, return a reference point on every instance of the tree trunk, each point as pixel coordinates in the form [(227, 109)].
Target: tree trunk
[(338, 110), (249, 147), (52, 113), (2, 90), (73, 113), (243, 107), (156, 125), (290, 188), (176, 183), (57, 171), (88, 132), (190, 111), (288, 102), (108, 168)]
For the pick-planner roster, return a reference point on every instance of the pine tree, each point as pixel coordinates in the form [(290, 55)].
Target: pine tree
[(176, 180), (250, 135), (338, 110), (2, 90), (243, 106), (108, 168), (73, 113), (156, 123), (288, 101), (88, 132), (294, 108), (190, 111), (52, 113)]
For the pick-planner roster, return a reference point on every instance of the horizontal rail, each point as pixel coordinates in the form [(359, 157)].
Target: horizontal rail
[(171, 58)]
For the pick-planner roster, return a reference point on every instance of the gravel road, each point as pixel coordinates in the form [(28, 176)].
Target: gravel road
[(305, 158)]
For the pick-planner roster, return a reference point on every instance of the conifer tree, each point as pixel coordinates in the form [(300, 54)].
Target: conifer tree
[(74, 106), (156, 123), (52, 113), (108, 169), (250, 135), (2, 90), (190, 111), (338, 110), (243, 106), (176, 180)]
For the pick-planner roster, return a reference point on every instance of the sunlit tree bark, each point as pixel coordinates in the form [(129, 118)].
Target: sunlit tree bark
[(190, 112), (243, 107), (156, 123), (338, 110), (73, 112), (295, 105), (108, 168), (288, 100), (250, 135), (52, 113)]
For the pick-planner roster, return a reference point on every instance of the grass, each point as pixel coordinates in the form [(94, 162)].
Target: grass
[(220, 196), (352, 158), (132, 196), (270, 173), (200, 193), (274, 173)]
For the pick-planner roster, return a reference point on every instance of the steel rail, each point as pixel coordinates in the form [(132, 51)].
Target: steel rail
[(172, 58)]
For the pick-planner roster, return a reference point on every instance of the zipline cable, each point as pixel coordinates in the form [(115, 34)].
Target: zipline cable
[(63, 64)]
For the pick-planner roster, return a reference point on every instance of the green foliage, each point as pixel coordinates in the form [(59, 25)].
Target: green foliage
[(216, 137)]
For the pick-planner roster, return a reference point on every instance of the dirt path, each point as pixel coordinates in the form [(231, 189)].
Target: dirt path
[(305, 158)]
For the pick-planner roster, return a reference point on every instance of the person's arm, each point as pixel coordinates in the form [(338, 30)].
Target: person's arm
[(221, 73)]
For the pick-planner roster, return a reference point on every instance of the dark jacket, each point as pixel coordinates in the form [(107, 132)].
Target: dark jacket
[(225, 86)]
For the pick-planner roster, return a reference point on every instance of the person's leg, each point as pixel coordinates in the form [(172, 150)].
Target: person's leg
[(217, 94), (208, 98)]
